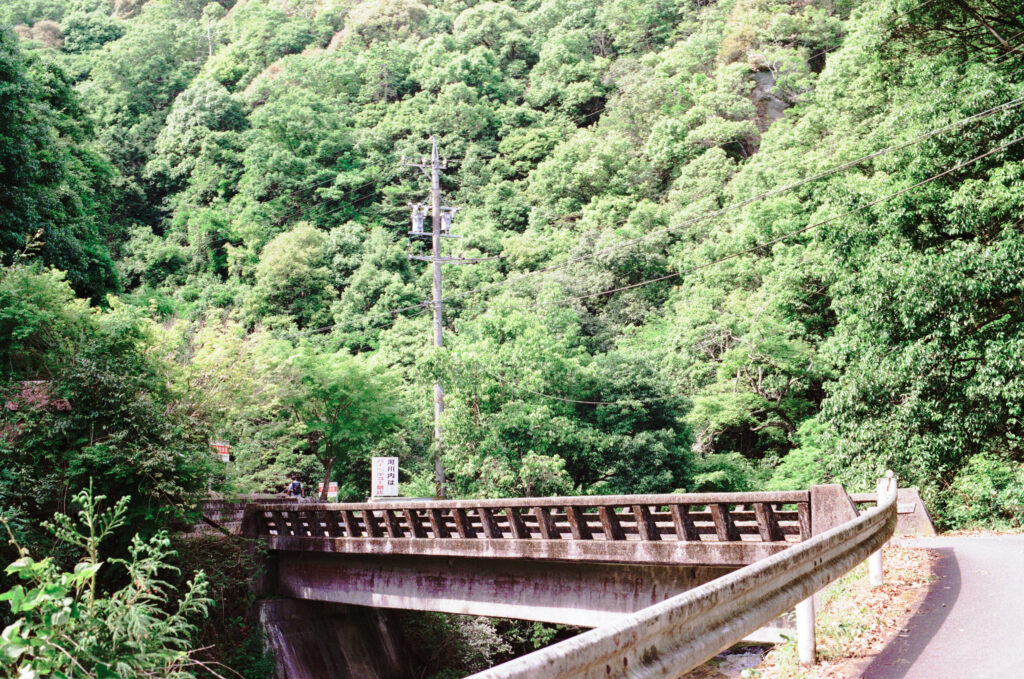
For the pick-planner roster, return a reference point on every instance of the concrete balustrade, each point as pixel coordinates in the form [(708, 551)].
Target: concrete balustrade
[(721, 517)]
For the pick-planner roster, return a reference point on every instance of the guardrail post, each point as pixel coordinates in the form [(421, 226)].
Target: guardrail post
[(806, 642), (886, 490)]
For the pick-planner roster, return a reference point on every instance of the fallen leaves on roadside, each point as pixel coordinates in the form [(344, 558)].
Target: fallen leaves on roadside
[(879, 615)]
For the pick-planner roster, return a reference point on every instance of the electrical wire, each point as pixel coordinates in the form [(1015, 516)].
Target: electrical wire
[(735, 206), (788, 235), (768, 194), (622, 402)]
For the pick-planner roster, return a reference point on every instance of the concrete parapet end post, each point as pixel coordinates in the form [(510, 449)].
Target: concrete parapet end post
[(265, 580), (830, 507), (913, 517)]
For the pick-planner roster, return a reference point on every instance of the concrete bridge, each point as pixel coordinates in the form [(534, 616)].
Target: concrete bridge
[(590, 561)]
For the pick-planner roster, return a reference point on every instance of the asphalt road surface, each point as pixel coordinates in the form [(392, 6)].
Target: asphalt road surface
[(971, 623)]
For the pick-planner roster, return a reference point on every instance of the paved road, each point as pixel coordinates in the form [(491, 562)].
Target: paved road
[(971, 623)]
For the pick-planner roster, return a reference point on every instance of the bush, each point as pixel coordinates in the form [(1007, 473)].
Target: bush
[(988, 491), (65, 627)]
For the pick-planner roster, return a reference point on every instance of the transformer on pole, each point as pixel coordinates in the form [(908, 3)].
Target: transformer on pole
[(441, 227)]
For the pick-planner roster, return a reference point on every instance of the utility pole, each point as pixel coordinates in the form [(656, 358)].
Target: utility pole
[(435, 249), (441, 222), (418, 214)]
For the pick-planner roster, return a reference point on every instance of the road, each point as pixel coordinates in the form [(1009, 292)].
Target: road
[(971, 623)]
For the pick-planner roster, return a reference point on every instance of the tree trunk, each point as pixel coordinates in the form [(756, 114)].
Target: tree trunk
[(328, 465)]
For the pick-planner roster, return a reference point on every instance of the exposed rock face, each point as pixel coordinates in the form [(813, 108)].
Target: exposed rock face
[(769, 107)]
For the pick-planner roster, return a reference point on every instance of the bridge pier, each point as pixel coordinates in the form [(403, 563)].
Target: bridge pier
[(312, 640)]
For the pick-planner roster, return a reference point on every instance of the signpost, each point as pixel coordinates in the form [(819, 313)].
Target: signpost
[(385, 477), (332, 490), (222, 449)]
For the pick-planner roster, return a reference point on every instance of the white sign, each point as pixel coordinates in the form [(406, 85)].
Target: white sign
[(332, 490), (222, 449), (385, 477)]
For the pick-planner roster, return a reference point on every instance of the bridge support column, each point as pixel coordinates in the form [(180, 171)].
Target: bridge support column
[(886, 491), (806, 642), (312, 640)]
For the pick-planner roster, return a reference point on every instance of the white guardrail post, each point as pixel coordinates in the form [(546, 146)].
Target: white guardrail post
[(672, 637), (886, 493), (806, 638)]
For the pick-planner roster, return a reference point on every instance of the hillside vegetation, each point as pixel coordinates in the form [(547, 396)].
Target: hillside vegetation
[(725, 245), (738, 244), (749, 244)]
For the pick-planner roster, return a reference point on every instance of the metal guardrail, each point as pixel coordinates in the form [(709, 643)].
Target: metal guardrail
[(680, 633)]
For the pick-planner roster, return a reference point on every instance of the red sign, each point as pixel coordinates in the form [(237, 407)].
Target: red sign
[(222, 449), (332, 489)]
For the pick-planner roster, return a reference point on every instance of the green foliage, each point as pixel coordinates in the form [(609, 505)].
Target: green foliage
[(988, 491), (258, 212), (55, 185), (87, 401), (65, 627), (230, 635), (453, 645), (292, 278), (344, 413)]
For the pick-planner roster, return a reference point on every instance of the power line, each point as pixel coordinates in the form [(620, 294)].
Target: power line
[(325, 182), (785, 237), (624, 402), (732, 255), (734, 206)]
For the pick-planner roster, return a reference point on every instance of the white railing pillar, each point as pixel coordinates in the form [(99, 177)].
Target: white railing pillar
[(886, 490), (806, 642)]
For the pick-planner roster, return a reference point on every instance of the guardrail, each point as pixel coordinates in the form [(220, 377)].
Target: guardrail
[(684, 631)]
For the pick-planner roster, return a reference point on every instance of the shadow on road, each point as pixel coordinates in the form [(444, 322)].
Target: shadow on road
[(899, 655)]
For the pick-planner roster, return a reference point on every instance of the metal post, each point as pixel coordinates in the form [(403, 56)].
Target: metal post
[(886, 491), (435, 204), (806, 643)]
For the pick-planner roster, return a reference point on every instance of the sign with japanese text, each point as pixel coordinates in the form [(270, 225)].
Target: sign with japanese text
[(222, 449), (385, 477), (332, 490)]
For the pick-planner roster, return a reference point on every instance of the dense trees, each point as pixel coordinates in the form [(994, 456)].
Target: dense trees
[(86, 401), (728, 245), (688, 320), (55, 186)]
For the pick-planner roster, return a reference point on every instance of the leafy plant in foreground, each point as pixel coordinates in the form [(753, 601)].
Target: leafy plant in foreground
[(66, 628)]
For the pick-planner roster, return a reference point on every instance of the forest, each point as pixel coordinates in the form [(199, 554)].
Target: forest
[(715, 245)]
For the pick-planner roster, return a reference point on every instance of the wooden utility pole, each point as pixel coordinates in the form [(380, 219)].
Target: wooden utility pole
[(441, 222)]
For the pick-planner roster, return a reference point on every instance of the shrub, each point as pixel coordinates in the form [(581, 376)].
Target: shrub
[(988, 491)]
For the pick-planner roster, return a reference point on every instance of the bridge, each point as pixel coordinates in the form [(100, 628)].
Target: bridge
[(666, 581)]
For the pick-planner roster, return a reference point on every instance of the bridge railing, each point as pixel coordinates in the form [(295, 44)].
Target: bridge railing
[(773, 517), (680, 633)]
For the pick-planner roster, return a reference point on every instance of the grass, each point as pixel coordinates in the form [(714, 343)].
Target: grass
[(854, 620)]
